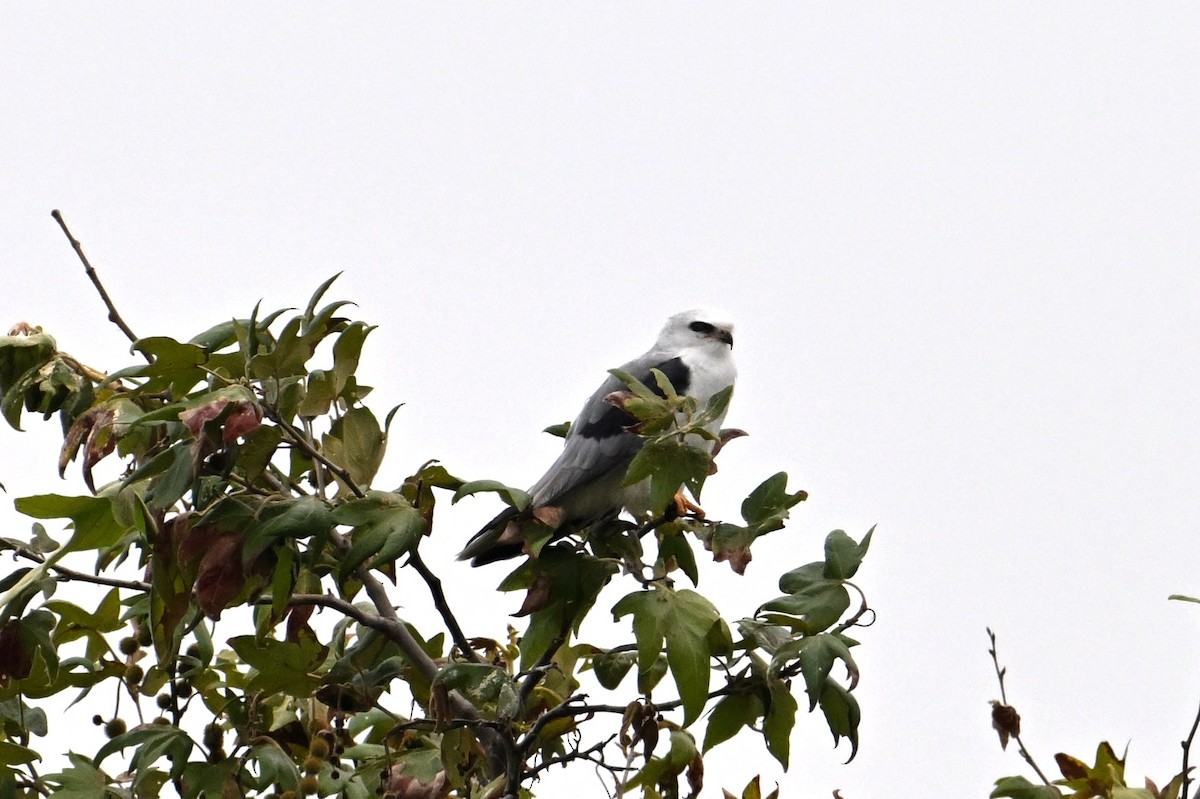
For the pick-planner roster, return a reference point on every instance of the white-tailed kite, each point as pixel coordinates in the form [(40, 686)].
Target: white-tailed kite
[(585, 484)]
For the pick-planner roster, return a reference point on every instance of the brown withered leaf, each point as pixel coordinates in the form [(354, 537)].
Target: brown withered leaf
[(537, 597), (1072, 768), (16, 660), (297, 621), (727, 435), (1006, 722), (631, 719), (695, 776), (648, 733), (215, 557), (75, 436), (439, 705)]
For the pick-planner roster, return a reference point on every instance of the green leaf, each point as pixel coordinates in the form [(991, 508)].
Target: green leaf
[(780, 718), (1021, 788), (13, 754), (204, 780), (568, 582), (484, 685), (670, 464), (611, 667), (160, 736), (815, 608), (289, 667), (559, 430), (21, 354), (95, 527), (767, 505), (298, 518), (1183, 598), (843, 554), (816, 654), (175, 367), (682, 620), (731, 714), (384, 525), (82, 780), (798, 580), (276, 767), (174, 482), (841, 713), (356, 443), (675, 548), (346, 352), (513, 497)]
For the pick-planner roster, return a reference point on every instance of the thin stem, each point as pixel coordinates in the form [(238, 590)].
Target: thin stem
[(298, 439), (1004, 700), (1187, 750), (113, 315), (443, 607), (535, 674), (71, 574)]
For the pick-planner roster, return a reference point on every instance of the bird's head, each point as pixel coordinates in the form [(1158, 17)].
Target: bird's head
[(699, 327)]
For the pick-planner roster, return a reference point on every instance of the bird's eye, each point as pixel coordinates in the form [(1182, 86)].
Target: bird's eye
[(704, 328)]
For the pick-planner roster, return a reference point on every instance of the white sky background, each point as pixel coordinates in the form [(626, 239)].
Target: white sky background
[(960, 243)]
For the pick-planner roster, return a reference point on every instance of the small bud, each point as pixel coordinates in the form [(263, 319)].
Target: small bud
[(128, 645), (115, 727)]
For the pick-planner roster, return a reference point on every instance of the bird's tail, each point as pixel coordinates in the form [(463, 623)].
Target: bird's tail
[(486, 547)]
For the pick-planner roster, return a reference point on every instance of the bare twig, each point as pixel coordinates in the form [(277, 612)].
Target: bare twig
[(71, 574), (1016, 735), (593, 754), (113, 315), (1187, 749), (443, 607), (297, 438)]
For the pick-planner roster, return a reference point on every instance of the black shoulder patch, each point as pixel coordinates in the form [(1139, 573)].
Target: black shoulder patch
[(614, 421)]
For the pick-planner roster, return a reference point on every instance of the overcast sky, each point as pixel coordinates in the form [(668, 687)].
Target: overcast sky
[(959, 240)]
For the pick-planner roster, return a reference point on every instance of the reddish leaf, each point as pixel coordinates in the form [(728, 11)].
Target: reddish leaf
[(244, 420), (195, 418), (219, 578), (297, 621), (404, 786)]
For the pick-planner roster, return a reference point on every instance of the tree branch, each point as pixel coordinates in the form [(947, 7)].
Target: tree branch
[(113, 315), (443, 607), (71, 574)]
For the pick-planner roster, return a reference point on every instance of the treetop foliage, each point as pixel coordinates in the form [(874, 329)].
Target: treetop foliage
[(245, 498)]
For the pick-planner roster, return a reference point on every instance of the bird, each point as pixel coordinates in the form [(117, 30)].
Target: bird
[(694, 350)]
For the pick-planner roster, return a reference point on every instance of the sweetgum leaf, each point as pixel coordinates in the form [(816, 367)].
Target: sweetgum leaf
[(682, 620)]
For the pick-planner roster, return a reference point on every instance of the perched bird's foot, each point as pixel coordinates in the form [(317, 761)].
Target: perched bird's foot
[(685, 507)]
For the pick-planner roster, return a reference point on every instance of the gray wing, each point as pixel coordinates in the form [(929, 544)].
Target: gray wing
[(599, 446)]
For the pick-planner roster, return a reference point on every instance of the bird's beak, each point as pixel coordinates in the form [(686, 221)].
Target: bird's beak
[(722, 334)]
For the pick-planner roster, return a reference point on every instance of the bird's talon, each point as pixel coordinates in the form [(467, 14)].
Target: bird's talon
[(684, 507)]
